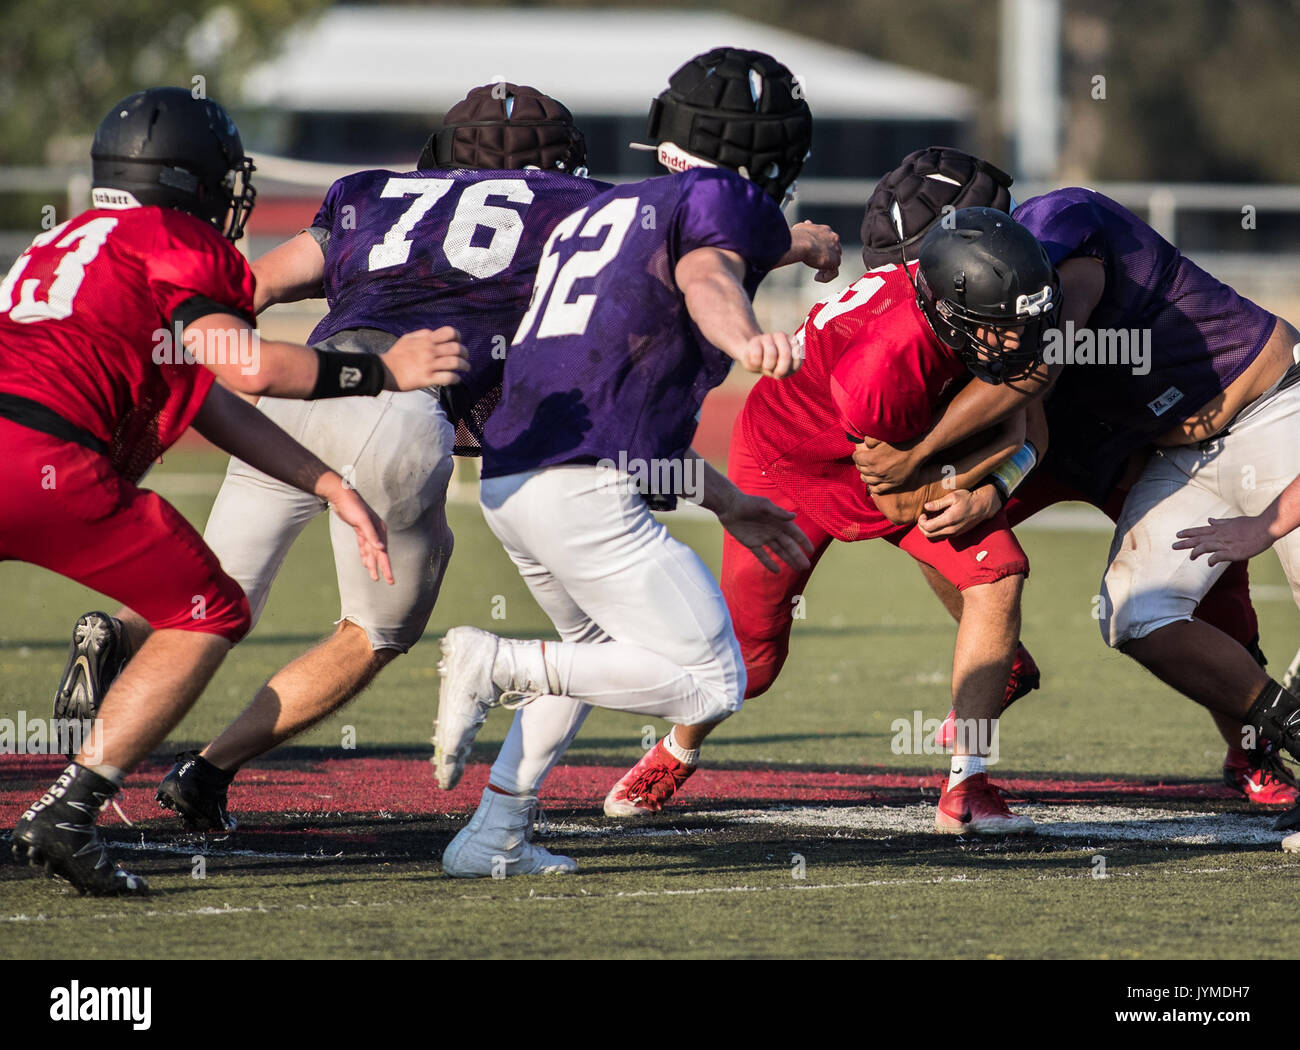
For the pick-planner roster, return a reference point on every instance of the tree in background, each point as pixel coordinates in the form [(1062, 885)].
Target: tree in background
[(1194, 89), (63, 65)]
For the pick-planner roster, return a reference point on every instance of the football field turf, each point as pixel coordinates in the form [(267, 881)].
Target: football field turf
[(805, 833)]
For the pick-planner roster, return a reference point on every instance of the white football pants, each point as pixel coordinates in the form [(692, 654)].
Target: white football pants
[(395, 450), (644, 623), (1148, 584)]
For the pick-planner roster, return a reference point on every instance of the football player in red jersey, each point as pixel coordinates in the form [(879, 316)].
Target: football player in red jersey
[(103, 321), (880, 360)]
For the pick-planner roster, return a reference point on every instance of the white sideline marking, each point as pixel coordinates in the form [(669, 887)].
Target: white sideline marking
[(1092, 822)]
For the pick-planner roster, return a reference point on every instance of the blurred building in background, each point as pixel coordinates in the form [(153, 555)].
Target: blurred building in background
[(364, 86)]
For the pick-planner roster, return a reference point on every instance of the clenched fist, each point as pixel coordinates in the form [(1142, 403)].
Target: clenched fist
[(425, 358), (775, 354), (817, 247)]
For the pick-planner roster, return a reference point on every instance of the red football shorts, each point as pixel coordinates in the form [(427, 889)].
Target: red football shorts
[(762, 603), (65, 508)]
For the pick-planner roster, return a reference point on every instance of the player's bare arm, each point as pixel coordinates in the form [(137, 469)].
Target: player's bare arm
[(237, 427), (710, 280), (981, 404), (289, 273), (817, 247), (418, 359), (957, 469), (757, 522), (962, 509)]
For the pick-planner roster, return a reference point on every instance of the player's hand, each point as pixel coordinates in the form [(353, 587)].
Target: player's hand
[(885, 467), (775, 354), (957, 511), (425, 358), (372, 537), (818, 247), (766, 529), (1226, 539)]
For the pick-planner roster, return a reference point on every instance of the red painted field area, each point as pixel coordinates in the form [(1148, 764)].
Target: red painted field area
[(405, 785)]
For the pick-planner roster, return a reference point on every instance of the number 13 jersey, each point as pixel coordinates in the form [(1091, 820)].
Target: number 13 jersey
[(89, 315)]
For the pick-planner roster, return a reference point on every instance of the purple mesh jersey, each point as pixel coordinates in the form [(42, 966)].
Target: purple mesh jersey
[(1202, 336), (431, 248), (607, 362)]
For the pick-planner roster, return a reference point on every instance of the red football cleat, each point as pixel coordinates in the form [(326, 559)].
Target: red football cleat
[(645, 787), (975, 807), (1260, 775), (1024, 678)]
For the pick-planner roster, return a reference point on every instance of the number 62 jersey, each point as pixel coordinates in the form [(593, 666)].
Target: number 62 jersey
[(457, 247), (607, 363)]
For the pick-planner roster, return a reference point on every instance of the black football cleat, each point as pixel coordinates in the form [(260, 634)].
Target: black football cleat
[(99, 651), (58, 834), (196, 789)]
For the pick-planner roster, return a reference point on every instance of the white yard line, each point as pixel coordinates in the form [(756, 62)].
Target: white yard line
[(1094, 823)]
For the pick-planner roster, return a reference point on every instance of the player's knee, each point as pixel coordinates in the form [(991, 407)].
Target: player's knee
[(998, 597)]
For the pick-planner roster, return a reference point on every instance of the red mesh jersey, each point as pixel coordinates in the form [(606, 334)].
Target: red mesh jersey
[(85, 324), (873, 368)]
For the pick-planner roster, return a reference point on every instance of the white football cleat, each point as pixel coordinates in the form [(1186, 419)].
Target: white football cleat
[(465, 696), (1291, 844), (497, 842)]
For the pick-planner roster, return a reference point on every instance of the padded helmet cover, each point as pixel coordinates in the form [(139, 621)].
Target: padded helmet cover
[(922, 186), (505, 126), (741, 110)]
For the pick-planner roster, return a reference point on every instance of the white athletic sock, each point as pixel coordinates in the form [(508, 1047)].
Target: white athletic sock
[(964, 766), (112, 773), (686, 756), (541, 732)]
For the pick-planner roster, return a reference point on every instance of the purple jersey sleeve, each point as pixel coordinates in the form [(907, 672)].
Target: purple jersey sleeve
[(1067, 228), (719, 209), (325, 213), (1164, 339)]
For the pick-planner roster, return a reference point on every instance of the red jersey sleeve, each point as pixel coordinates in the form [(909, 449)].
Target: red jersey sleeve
[(187, 263), (881, 392)]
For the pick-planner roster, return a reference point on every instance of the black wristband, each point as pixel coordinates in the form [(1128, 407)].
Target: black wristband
[(341, 374), (998, 487)]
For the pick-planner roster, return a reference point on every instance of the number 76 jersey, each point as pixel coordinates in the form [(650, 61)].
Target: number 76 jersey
[(431, 248)]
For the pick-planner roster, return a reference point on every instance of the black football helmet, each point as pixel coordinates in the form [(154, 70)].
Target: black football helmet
[(164, 146), (981, 274), (735, 109), (912, 198), (507, 126)]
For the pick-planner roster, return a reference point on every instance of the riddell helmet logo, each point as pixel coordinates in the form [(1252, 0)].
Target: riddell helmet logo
[(674, 158)]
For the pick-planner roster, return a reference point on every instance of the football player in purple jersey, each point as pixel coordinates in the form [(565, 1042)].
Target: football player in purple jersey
[(1205, 405), (642, 304), (457, 240)]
